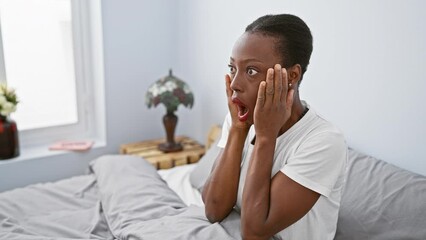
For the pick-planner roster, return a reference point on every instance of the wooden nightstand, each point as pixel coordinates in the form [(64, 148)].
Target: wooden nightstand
[(191, 153)]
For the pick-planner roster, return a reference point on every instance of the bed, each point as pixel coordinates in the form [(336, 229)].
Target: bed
[(124, 197)]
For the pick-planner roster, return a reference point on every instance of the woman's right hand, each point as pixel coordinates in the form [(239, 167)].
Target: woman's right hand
[(233, 109), (221, 188)]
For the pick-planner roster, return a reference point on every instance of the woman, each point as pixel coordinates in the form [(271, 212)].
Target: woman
[(282, 165)]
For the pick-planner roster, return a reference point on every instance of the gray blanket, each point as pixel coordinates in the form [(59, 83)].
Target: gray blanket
[(123, 198)]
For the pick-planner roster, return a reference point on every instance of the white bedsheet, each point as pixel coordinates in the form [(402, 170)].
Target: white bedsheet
[(177, 179)]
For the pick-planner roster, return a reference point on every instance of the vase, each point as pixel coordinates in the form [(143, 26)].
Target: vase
[(9, 144), (170, 121)]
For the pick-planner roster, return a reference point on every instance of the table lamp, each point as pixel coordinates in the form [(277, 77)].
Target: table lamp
[(171, 92)]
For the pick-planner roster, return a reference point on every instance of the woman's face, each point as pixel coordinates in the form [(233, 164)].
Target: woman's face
[(253, 54)]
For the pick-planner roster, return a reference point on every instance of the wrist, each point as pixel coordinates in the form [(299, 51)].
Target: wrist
[(240, 131), (265, 140), (237, 137)]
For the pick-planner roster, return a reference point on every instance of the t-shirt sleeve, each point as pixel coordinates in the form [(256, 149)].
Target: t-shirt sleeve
[(225, 131), (318, 162)]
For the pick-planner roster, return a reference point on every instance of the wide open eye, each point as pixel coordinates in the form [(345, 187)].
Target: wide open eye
[(251, 72), (232, 69)]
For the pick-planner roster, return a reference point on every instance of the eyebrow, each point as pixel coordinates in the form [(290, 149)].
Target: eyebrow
[(247, 60)]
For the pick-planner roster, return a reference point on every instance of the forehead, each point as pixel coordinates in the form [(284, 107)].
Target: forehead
[(256, 46)]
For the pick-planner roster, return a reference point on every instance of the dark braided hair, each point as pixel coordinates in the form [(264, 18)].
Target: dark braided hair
[(293, 35)]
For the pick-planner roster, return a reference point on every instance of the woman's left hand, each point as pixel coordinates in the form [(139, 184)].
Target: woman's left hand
[(274, 103)]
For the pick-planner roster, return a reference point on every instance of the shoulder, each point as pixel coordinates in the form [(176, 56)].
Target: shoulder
[(319, 129), (316, 154), (324, 140)]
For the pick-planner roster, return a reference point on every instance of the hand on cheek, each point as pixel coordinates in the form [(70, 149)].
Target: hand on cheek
[(274, 102)]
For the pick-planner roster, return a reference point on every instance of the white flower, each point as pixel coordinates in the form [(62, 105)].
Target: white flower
[(162, 89), (153, 89), (170, 86), (8, 106), (186, 89), (3, 99), (8, 100)]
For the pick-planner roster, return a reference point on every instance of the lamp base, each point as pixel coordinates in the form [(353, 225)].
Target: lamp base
[(170, 121), (170, 147)]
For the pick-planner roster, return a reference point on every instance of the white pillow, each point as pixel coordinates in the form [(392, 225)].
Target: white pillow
[(201, 172)]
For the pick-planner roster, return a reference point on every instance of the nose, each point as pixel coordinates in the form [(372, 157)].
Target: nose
[(236, 83)]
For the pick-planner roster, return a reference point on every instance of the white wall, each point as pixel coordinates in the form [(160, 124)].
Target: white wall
[(366, 73)]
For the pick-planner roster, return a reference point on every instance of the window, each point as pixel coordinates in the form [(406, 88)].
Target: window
[(51, 53)]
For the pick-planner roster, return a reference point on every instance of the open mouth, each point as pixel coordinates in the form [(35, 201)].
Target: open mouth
[(243, 111)]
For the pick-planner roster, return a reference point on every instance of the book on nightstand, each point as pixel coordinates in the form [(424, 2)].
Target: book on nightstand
[(72, 145)]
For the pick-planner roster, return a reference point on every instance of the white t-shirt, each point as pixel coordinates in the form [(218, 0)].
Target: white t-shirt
[(313, 153)]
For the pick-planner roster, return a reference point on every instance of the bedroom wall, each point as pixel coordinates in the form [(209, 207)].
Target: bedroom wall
[(366, 73)]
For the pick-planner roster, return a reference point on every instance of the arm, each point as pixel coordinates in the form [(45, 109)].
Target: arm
[(221, 188), (270, 205)]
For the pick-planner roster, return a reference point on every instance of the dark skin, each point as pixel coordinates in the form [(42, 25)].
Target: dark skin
[(258, 93)]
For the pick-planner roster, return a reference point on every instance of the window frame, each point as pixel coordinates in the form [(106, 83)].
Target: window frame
[(89, 76)]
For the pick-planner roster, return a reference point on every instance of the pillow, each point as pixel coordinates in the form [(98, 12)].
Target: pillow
[(381, 201), (201, 172)]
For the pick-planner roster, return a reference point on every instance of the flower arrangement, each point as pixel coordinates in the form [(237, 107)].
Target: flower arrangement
[(8, 100), (171, 92)]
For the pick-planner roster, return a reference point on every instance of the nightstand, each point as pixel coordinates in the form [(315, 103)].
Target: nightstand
[(148, 150)]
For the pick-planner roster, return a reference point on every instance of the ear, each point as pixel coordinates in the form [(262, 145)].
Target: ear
[(294, 74)]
